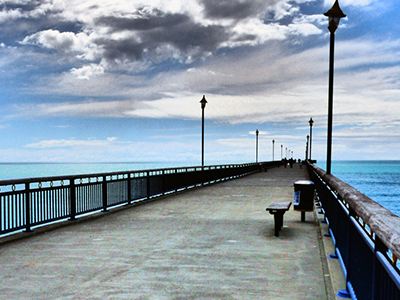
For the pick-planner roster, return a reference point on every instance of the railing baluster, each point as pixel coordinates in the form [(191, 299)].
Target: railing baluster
[(129, 187), (104, 186), (72, 199), (148, 189), (27, 208)]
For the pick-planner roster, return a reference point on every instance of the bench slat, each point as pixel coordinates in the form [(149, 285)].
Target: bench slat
[(279, 206)]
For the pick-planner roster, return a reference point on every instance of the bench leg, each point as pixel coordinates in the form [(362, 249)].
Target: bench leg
[(278, 218)]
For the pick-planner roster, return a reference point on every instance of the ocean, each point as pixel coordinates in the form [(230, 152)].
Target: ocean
[(379, 180), (30, 170)]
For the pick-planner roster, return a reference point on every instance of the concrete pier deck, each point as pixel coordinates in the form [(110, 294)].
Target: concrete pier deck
[(215, 242)]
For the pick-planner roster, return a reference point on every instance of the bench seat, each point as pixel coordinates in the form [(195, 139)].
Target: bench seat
[(278, 209)]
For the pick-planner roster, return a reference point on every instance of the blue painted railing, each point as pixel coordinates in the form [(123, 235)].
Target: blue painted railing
[(26, 203), (366, 237)]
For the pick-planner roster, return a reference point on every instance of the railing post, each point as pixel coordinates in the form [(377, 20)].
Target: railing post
[(72, 199), (163, 182), (148, 185), (104, 188), (129, 188), (376, 283), (352, 214), (176, 172), (27, 208)]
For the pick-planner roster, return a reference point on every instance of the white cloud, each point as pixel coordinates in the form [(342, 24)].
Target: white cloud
[(86, 72), (63, 143), (92, 150), (123, 31), (261, 32), (304, 29), (265, 85), (284, 8), (73, 109), (79, 44), (278, 79), (10, 14)]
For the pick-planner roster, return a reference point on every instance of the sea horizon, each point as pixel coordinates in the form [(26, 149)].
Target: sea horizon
[(378, 179)]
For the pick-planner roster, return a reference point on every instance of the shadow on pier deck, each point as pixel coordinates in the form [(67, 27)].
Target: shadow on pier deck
[(216, 242)]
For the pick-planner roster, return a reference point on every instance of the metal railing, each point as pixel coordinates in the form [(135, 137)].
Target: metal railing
[(366, 237), (26, 203)]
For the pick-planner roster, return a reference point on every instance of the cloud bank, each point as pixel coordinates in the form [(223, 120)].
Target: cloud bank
[(257, 62)]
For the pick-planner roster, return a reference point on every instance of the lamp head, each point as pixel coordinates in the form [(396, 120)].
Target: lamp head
[(334, 15), (203, 102), (311, 122), (257, 132)]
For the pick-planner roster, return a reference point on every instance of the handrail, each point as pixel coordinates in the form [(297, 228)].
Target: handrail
[(30, 202), (366, 237), (382, 222), (85, 175)]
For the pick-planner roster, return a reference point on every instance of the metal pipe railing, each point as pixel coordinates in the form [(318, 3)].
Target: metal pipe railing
[(366, 237), (25, 203)]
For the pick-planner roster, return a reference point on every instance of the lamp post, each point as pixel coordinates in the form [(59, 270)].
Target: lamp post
[(334, 15), (273, 144), (203, 103), (257, 132), (281, 152), (307, 143), (311, 122), (286, 152)]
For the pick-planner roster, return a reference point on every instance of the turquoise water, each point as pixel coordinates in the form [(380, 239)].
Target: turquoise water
[(379, 180), (29, 170)]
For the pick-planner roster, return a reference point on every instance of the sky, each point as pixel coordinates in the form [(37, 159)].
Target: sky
[(121, 81)]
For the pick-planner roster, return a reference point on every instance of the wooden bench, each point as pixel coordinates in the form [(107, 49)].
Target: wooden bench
[(278, 209)]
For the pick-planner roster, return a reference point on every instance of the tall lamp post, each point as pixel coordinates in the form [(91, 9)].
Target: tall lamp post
[(307, 143), (257, 132), (273, 148), (311, 122), (203, 103), (334, 15), (281, 152)]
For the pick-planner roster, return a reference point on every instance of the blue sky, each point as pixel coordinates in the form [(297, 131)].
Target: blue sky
[(113, 81)]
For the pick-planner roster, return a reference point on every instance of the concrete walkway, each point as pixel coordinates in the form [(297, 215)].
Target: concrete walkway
[(215, 242)]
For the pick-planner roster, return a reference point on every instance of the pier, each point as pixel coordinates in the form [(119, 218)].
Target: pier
[(195, 233), (213, 242)]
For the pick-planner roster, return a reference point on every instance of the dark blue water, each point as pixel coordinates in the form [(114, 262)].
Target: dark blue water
[(379, 180)]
